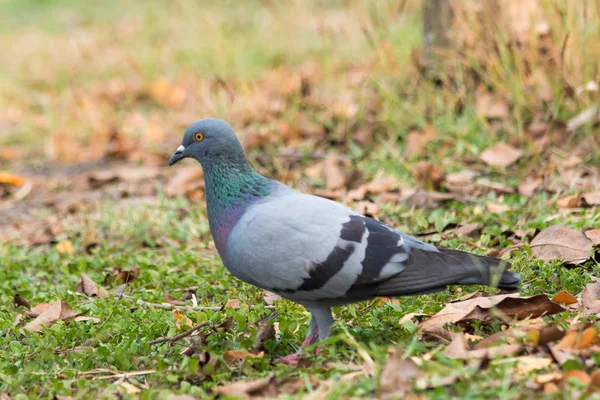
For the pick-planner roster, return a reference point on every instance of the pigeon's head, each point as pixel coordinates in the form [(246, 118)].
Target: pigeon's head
[(209, 138)]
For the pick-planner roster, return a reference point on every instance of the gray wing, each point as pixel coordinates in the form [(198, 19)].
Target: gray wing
[(308, 248)]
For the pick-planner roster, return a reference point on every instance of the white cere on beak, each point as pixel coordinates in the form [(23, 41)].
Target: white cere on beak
[(180, 149)]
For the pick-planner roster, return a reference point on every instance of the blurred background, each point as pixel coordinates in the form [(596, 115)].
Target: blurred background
[(325, 95)]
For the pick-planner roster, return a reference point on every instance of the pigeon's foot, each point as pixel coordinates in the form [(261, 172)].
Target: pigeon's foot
[(291, 359), (310, 338)]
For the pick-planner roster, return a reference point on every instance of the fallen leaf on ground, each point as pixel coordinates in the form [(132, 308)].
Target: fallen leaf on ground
[(270, 298), (90, 288), (590, 298), (264, 333), (593, 235), (584, 117), (578, 375), (570, 201), (181, 320), (64, 247), (536, 334), (458, 349), (378, 185), (428, 175), (126, 276), (334, 174), (561, 243), (526, 364), (591, 199), (367, 208), (425, 199), (528, 186), (396, 375), (11, 179), (56, 312), (19, 300), (564, 297), (38, 309), (497, 208), (231, 356), (485, 308), (129, 388), (416, 141), (265, 387), (490, 107), (501, 155)]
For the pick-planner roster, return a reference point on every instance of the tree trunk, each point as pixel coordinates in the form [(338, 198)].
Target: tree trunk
[(437, 17)]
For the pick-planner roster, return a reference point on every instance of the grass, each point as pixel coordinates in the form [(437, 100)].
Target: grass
[(76, 71)]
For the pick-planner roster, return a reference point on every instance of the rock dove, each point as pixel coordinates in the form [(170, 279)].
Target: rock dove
[(312, 250)]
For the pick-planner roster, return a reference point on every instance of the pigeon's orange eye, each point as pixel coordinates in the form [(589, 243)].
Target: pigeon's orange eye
[(199, 136)]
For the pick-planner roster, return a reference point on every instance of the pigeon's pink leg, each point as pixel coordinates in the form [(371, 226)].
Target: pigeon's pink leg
[(311, 337)]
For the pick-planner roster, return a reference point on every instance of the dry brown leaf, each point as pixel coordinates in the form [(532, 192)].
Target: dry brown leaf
[(270, 298), (428, 175), (231, 356), (497, 208), (591, 199), (367, 208), (581, 376), (527, 364), (11, 179), (528, 186), (458, 349), (561, 243), (485, 308), (564, 297), (593, 235), (590, 298), (21, 301), (90, 288), (265, 387), (126, 276), (570, 201), (416, 141), (56, 312), (171, 300), (181, 320), (537, 334), (64, 247), (98, 179), (551, 388), (264, 333), (561, 355), (232, 303), (501, 155), (334, 174), (129, 388), (396, 375), (37, 310), (490, 107), (378, 185), (468, 230), (584, 117), (595, 381), (425, 199)]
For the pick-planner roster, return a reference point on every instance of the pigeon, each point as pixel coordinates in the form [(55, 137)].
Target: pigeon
[(311, 250)]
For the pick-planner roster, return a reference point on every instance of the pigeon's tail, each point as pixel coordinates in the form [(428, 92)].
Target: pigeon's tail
[(431, 271)]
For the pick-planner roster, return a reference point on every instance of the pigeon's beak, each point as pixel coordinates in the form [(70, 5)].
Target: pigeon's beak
[(178, 155)]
